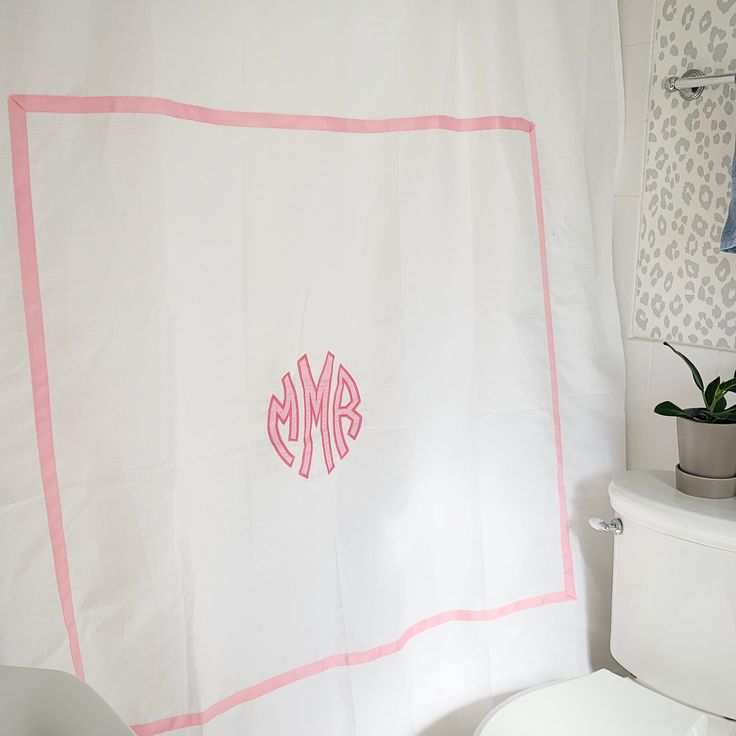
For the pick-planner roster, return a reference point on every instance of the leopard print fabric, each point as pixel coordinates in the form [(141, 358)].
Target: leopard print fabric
[(685, 287)]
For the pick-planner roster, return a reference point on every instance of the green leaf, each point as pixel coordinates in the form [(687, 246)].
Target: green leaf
[(668, 409), (729, 385), (696, 374), (721, 404), (723, 417), (710, 391)]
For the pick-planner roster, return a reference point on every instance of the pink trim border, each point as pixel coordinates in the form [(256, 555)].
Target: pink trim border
[(39, 371), (348, 659), (18, 108)]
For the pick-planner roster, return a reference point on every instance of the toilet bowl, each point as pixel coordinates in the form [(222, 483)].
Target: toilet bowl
[(41, 702), (673, 608)]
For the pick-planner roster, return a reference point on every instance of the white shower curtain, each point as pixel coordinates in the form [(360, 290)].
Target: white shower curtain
[(310, 366)]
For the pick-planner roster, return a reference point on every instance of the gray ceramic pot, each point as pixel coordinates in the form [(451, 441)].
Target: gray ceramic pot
[(707, 450)]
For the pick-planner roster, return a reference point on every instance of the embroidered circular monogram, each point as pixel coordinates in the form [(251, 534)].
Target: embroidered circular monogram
[(685, 287), (324, 409)]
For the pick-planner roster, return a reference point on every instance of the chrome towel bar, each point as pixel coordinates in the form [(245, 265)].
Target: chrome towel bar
[(691, 84)]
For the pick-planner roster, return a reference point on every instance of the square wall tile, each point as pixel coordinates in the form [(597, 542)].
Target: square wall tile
[(636, 18), (626, 217), (671, 378), (639, 354), (727, 367), (637, 74), (651, 441), (631, 170)]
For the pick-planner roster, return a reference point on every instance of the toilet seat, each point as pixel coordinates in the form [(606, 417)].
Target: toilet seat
[(603, 704)]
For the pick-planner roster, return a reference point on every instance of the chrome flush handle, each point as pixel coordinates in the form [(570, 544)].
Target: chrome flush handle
[(614, 526)]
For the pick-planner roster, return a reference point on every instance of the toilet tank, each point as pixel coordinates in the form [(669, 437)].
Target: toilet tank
[(673, 616)]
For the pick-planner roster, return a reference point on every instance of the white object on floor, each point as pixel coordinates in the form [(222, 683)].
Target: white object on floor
[(603, 704), (38, 702)]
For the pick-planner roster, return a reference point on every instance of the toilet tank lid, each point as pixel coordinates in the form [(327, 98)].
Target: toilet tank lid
[(650, 498)]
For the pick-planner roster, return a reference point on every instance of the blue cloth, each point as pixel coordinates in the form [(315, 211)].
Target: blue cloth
[(728, 237)]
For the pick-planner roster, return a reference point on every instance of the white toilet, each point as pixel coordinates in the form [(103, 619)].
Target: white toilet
[(673, 626)]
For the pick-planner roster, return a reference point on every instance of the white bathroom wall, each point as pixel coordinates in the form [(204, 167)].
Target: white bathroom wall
[(653, 373)]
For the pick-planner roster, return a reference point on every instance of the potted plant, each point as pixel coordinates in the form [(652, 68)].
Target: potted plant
[(706, 438)]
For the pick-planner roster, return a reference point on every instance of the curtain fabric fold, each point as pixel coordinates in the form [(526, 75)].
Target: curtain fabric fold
[(311, 370)]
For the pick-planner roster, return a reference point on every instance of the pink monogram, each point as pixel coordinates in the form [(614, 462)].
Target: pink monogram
[(322, 408)]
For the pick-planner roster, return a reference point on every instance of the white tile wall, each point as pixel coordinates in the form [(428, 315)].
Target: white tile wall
[(636, 19), (636, 62), (653, 373), (631, 167), (626, 214)]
